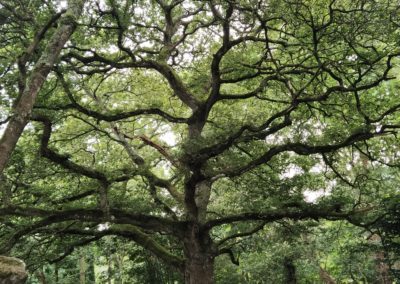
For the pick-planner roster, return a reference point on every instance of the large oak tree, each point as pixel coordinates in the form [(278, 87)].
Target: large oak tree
[(167, 121)]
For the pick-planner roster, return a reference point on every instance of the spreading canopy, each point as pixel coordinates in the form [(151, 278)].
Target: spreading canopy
[(168, 120)]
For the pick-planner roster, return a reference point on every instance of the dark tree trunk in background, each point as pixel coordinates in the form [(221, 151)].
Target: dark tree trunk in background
[(290, 271), (56, 277)]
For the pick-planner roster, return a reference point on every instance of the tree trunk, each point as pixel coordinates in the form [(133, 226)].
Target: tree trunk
[(382, 268), (41, 276), (56, 276), (290, 271), (199, 254), (325, 277), (22, 108), (90, 271), (82, 270), (109, 269), (120, 263), (199, 269)]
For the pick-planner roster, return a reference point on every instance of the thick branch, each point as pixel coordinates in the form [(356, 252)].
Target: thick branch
[(311, 211), (301, 149), (127, 231), (231, 255), (164, 69), (61, 159), (118, 116), (243, 234), (23, 107), (148, 222)]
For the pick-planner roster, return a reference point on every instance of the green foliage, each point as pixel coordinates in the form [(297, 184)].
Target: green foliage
[(284, 113)]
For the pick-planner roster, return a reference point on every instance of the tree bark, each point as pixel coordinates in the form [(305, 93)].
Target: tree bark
[(120, 263), (56, 276), (41, 276), (82, 270), (199, 269), (23, 107), (199, 257), (290, 271), (381, 266), (325, 277), (91, 273)]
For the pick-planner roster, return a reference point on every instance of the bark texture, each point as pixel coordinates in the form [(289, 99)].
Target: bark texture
[(28, 92), (199, 268), (199, 257)]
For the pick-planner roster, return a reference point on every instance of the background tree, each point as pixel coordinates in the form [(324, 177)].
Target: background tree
[(185, 126), (15, 19)]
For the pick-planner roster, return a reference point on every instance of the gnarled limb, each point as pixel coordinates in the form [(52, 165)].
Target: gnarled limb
[(23, 107)]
